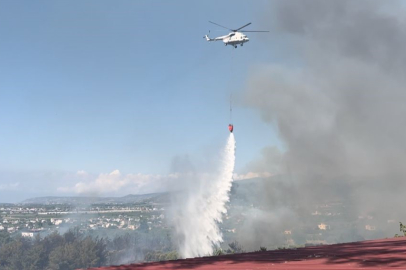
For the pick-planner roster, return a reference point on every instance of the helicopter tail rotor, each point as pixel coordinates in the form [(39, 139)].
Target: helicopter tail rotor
[(207, 38)]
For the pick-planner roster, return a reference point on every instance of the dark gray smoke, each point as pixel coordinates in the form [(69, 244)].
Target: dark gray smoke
[(340, 107)]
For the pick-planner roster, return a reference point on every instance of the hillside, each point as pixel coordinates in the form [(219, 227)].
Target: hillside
[(245, 189), (147, 198)]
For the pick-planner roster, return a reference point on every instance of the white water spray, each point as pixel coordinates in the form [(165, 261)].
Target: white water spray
[(201, 210)]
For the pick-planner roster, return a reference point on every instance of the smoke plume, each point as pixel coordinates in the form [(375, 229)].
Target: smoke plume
[(339, 105)]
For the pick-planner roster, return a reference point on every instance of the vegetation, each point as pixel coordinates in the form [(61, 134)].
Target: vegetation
[(402, 230), (75, 250), (4, 238), (61, 252), (218, 251), (235, 247), (154, 256), (151, 245)]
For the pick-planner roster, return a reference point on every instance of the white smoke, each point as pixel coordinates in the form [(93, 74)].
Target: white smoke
[(198, 211)]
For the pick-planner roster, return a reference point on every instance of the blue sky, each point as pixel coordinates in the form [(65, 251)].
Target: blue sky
[(100, 86)]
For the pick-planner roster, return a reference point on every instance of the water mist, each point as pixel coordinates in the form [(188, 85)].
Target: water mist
[(199, 210)]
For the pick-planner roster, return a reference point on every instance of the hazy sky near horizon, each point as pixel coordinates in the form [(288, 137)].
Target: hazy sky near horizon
[(100, 97)]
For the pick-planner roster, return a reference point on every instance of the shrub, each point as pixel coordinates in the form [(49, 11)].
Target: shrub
[(402, 230), (218, 252), (235, 247)]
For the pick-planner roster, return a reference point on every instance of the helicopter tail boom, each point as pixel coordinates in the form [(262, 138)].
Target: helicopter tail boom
[(216, 38), (207, 38)]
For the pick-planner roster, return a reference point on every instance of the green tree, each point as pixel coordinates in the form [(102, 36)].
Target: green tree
[(143, 226), (72, 235), (12, 255), (4, 238), (64, 257), (36, 257), (52, 241), (69, 251), (93, 252), (402, 229), (82, 253)]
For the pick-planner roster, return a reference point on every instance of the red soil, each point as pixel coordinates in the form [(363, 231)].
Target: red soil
[(380, 254)]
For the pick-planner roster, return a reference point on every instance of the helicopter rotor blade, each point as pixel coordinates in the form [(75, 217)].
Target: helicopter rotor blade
[(221, 26), (241, 27), (254, 31)]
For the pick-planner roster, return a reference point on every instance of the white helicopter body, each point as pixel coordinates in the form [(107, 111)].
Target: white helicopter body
[(234, 38)]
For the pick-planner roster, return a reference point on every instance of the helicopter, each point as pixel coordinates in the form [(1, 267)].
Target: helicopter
[(234, 38)]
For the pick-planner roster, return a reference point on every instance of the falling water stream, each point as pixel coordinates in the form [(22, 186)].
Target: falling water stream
[(204, 207)]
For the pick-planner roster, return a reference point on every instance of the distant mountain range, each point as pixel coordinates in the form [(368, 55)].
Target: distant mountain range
[(143, 198), (242, 189)]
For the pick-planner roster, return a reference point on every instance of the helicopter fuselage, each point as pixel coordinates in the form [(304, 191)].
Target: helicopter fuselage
[(233, 39)]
